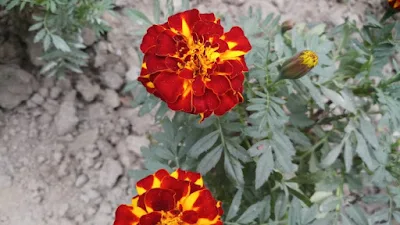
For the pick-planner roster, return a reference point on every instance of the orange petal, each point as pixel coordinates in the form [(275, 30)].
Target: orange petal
[(151, 181), (158, 199), (183, 22)]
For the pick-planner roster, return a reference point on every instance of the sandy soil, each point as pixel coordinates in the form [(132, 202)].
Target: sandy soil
[(66, 145)]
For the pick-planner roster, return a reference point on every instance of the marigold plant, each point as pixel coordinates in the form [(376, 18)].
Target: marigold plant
[(192, 65), (315, 129), (171, 199)]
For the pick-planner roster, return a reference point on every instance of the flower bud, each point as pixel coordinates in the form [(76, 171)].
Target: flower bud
[(287, 25), (299, 65), (395, 4)]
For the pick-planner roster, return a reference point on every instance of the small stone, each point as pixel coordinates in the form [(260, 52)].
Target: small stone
[(91, 211), (112, 80), (44, 92), (110, 172), (105, 208), (88, 36), (37, 198), (88, 90), (66, 119), (111, 98), (79, 219), (6, 181), (51, 106), (64, 83), (81, 180), (45, 118), (41, 159), (30, 104), (55, 92), (89, 195), (87, 163), (132, 74), (134, 143), (97, 111), (63, 170), (94, 154), (85, 139), (98, 165), (62, 209), (37, 99)]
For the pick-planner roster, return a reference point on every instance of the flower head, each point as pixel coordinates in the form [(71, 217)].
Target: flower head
[(179, 198), (395, 4), (192, 65), (299, 65)]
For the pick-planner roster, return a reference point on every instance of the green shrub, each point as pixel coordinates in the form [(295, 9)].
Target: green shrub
[(58, 25), (297, 151)]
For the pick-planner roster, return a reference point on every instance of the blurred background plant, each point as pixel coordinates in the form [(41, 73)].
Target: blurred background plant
[(58, 26), (300, 151)]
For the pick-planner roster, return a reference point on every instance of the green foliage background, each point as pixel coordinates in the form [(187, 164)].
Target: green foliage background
[(301, 151)]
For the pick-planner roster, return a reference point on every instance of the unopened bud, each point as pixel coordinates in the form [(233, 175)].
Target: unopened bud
[(395, 4), (299, 65), (287, 25)]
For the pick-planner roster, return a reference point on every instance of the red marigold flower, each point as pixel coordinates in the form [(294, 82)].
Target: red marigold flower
[(171, 199), (395, 4), (192, 65)]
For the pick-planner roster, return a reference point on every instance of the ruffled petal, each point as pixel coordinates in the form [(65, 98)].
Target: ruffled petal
[(124, 216), (219, 84), (151, 181), (180, 187), (150, 38), (150, 219), (166, 45), (237, 42), (198, 86), (158, 199), (169, 86), (183, 22), (228, 101), (205, 103), (190, 217)]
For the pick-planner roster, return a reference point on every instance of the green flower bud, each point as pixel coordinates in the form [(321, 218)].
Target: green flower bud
[(299, 65), (287, 25)]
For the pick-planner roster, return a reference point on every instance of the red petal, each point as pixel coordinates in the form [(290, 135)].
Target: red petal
[(140, 202), (124, 216), (166, 44), (222, 45), (243, 61), (172, 63), (182, 104), (180, 187), (228, 101), (236, 35), (237, 82), (206, 205), (219, 84), (186, 73), (190, 217), (150, 38), (155, 63), (151, 181), (206, 29), (150, 219), (208, 102), (188, 18), (169, 86), (198, 86), (159, 199), (209, 17), (224, 68)]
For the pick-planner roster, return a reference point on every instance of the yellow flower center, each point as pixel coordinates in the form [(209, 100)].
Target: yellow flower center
[(168, 218), (202, 58), (309, 58)]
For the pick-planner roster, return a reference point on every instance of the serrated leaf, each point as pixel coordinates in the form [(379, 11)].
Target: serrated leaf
[(238, 151), (345, 219), (332, 155), (363, 151), (233, 168), (48, 66), (264, 167), (235, 205), (357, 215), (210, 160), (36, 26), (164, 153), (338, 99), (203, 144), (39, 36), (281, 205), (396, 216), (368, 131), (46, 42), (157, 11), (138, 16), (258, 148), (59, 43), (162, 110), (251, 213), (300, 196)]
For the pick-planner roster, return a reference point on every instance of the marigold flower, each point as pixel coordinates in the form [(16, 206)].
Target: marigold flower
[(192, 65), (179, 198), (299, 65), (395, 4)]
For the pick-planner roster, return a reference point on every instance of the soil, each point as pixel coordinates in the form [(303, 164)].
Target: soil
[(67, 145)]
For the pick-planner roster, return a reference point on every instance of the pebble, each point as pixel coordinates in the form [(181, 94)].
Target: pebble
[(41, 159), (63, 170), (37, 99), (111, 98), (6, 181), (58, 156), (110, 172), (55, 92), (44, 92), (62, 209), (112, 80), (81, 180)]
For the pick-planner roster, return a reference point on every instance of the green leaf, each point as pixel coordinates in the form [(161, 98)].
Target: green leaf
[(185, 5), (300, 196), (157, 11), (237, 151), (338, 99), (210, 160), (368, 131), (170, 7), (59, 43), (164, 153), (233, 168), (348, 155), (372, 22), (346, 220), (138, 16), (234, 208), (36, 26), (281, 205), (363, 151), (258, 148), (251, 213), (396, 216), (48, 66), (357, 215), (332, 155), (39, 36), (203, 144), (46, 42), (264, 167)]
